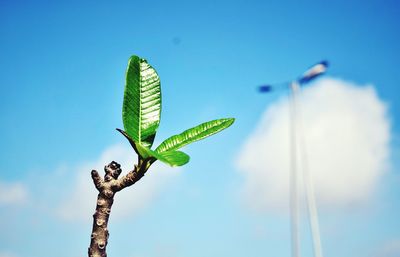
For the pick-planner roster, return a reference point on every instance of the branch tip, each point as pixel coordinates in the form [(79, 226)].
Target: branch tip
[(97, 180), (113, 169)]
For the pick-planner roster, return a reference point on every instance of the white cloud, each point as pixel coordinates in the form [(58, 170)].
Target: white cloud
[(347, 133), (13, 193), (81, 202)]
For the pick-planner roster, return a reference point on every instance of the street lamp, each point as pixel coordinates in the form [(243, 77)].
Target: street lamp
[(296, 130)]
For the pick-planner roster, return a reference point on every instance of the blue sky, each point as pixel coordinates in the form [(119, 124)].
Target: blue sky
[(62, 75)]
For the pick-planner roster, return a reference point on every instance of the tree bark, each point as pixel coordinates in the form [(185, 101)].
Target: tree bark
[(108, 187)]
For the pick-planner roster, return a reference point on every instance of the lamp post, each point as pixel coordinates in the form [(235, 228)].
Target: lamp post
[(298, 144)]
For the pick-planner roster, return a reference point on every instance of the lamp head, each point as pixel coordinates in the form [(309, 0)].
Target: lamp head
[(264, 88), (313, 72)]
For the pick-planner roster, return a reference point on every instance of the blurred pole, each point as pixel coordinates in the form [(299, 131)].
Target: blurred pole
[(294, 184), (298, 157), (298, 146), (309, 187)]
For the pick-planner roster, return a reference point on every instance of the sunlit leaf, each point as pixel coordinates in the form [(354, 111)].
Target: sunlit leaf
[(194, 134), (142, 101)]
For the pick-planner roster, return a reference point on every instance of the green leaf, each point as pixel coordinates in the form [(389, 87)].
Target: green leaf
[(172, 158), (142, 101), (194, 134)]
